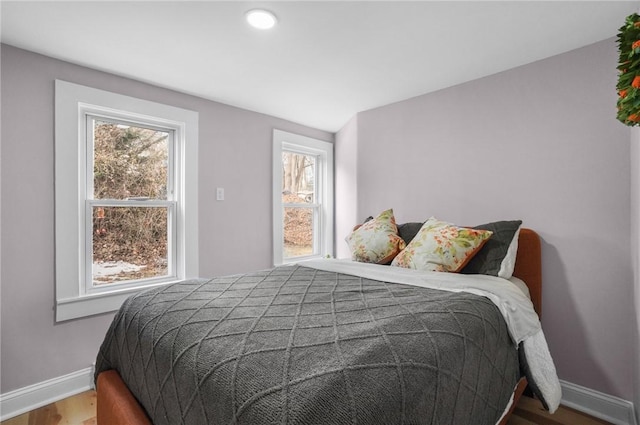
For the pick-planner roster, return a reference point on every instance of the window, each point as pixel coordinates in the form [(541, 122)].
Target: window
[(302, 198), (126, 201), (129, 202)]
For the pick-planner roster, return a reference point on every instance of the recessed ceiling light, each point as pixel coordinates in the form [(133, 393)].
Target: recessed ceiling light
[(261, 19)]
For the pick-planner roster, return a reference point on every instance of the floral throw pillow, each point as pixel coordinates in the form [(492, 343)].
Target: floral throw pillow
[(441, 247), (377, 240)]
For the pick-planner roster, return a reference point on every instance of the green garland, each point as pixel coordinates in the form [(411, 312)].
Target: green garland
[(629, 71)]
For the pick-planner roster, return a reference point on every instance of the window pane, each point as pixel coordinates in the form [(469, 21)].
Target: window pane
[(129, 243), (129, 161), (298, 232), (298, 177)]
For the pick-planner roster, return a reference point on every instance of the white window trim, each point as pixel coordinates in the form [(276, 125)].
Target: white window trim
[(71, 103), (324, 150)]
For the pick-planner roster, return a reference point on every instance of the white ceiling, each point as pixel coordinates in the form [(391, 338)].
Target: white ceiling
[(324, 62)]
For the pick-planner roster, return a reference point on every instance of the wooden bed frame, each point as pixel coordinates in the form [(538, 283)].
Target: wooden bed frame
[(117, 406)]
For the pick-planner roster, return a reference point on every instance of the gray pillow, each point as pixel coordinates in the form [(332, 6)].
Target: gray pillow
[(408, 231), (489, 259)]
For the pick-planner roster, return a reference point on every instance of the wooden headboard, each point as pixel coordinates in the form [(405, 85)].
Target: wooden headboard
[(529, 265)]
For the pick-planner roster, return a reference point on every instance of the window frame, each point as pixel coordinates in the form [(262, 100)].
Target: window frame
[(323, 232), (92, 114), (73, 103)]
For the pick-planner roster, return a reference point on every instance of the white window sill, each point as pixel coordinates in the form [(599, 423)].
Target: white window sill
[(99, 303)]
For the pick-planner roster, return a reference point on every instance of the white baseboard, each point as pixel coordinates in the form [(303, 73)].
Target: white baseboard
[(603, 406), (14, 403), (23, 400)]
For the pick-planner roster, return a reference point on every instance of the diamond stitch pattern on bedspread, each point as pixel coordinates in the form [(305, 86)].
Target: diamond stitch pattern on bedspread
[(295, 345)]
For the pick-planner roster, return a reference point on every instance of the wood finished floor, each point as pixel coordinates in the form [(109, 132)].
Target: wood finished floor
[(77, 410), (81, 410)]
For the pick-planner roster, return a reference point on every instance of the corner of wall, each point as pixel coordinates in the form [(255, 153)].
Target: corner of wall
[(346, 184)]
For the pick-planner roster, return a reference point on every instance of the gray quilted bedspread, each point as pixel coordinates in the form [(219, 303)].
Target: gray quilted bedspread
[(295, 345)]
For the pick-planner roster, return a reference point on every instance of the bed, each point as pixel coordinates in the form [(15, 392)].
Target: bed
[(322, 343)]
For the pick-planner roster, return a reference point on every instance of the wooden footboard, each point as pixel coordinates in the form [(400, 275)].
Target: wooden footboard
[(116, 404)]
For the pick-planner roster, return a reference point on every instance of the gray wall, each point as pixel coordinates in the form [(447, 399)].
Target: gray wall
[(538, 143), (235, 233)]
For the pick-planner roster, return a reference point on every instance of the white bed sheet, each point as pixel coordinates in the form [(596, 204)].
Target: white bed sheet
[(521, 285)]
